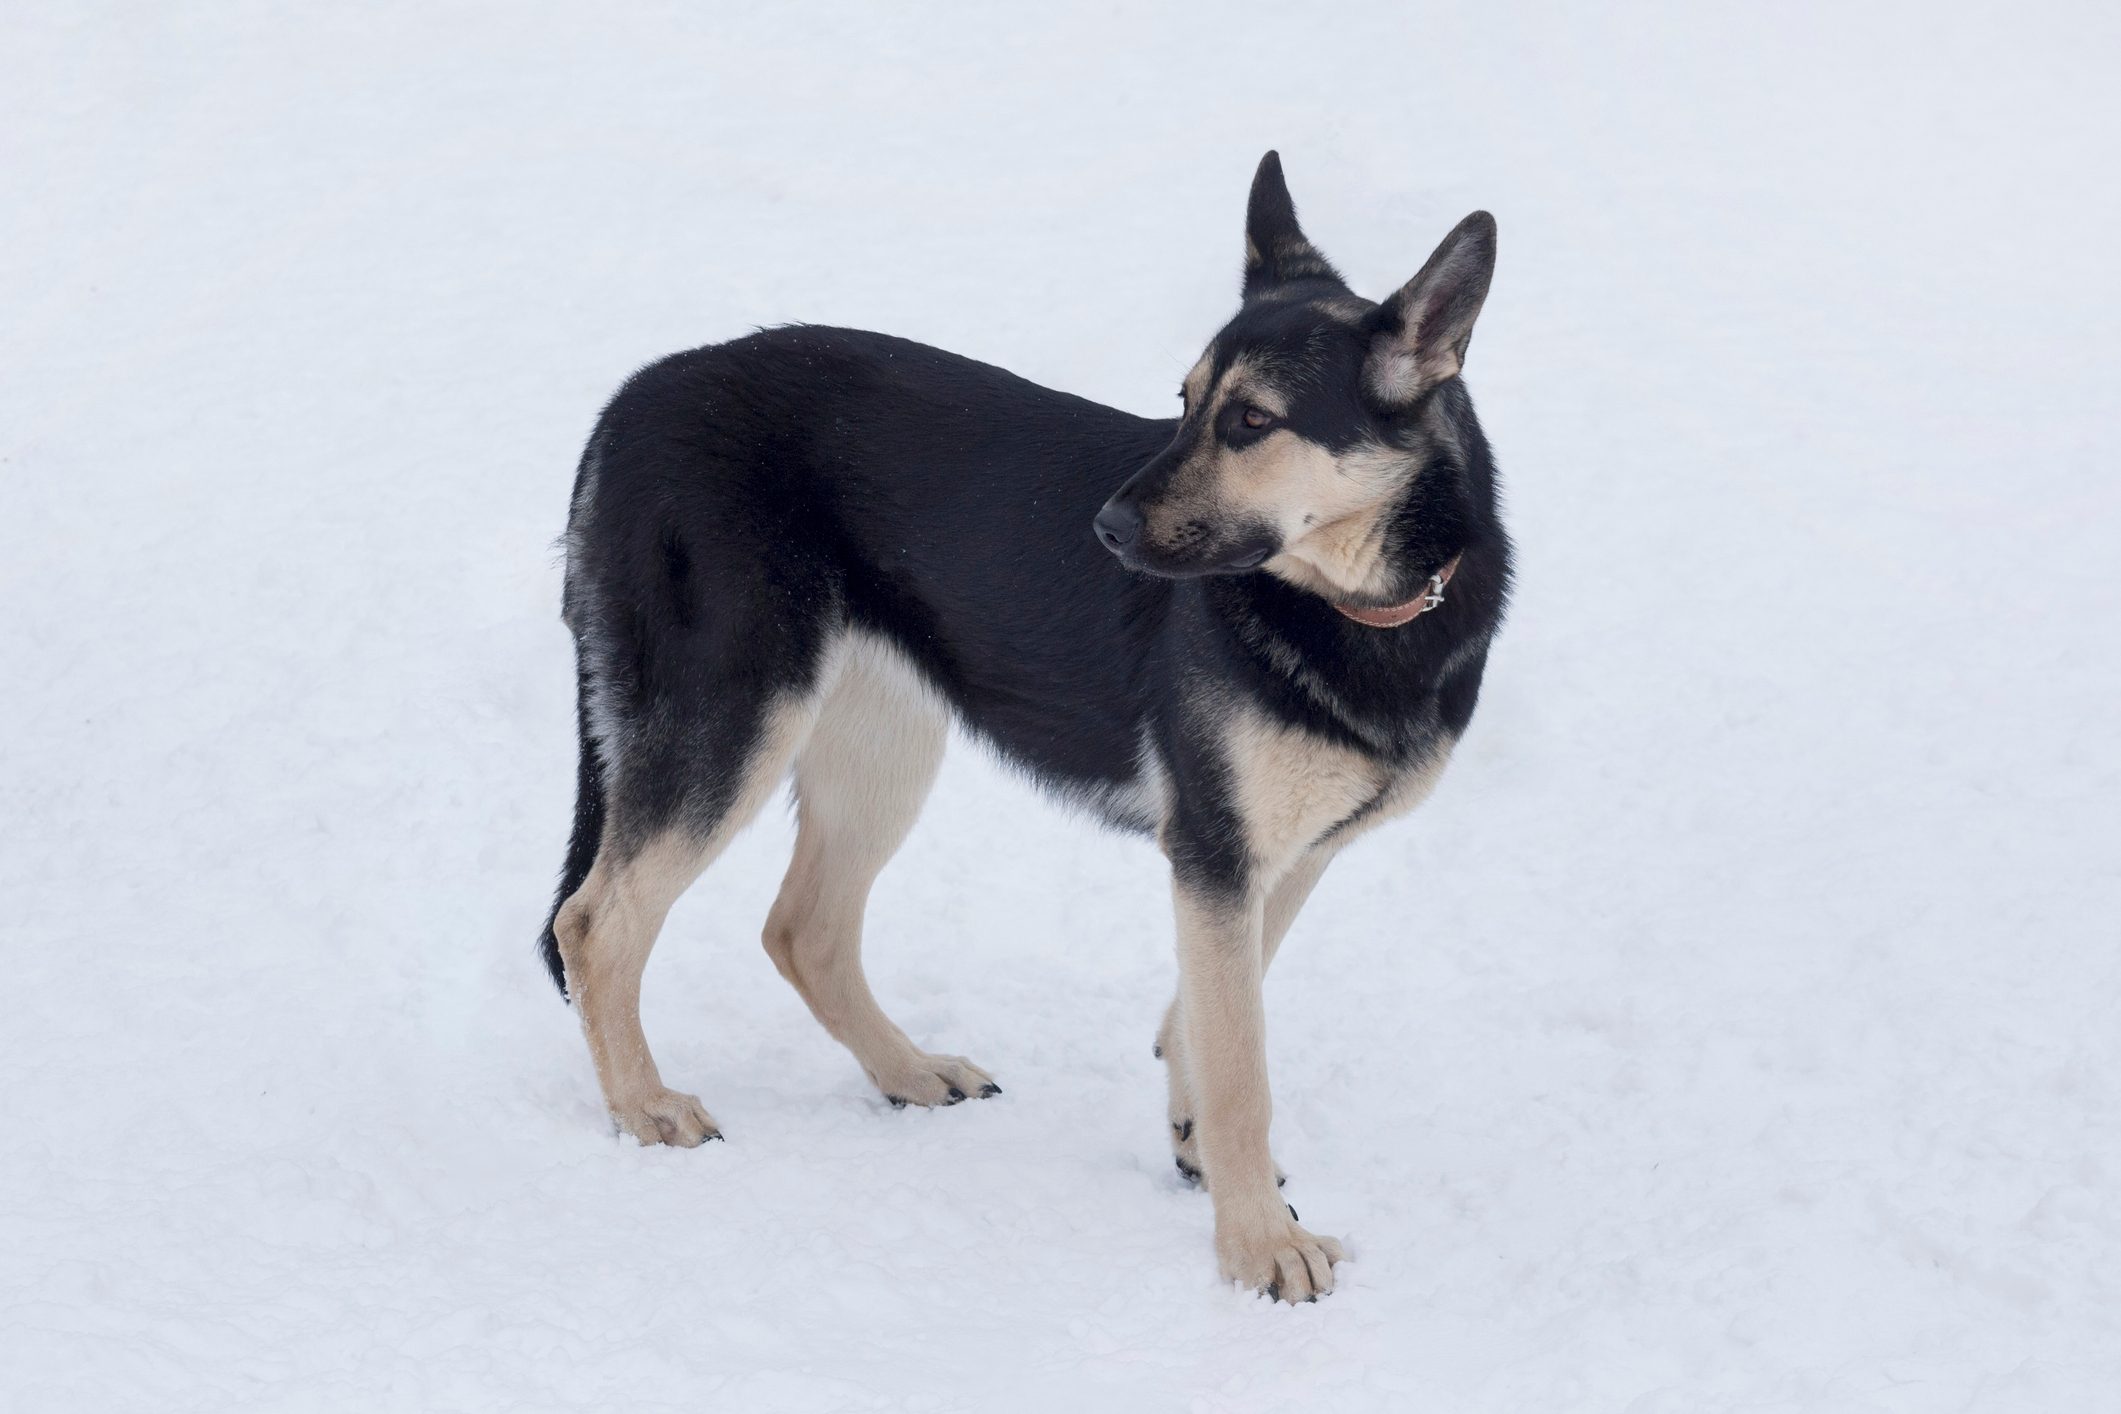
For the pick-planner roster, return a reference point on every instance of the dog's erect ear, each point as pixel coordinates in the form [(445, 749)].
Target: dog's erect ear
[(1275, 249), (1418, 337)]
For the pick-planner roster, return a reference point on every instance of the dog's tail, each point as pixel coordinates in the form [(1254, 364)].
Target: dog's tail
[(588, 826)]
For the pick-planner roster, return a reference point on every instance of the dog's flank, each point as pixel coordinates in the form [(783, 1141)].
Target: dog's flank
[(801, 554)]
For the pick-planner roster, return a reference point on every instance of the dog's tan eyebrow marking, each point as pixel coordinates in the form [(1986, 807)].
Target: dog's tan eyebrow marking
[(1256, 394), (1196, 380), (1246, 380)]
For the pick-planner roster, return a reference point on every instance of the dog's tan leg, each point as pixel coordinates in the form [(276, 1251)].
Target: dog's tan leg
[(859, 784), (1221, 965), (1283, 904), (607, 929)]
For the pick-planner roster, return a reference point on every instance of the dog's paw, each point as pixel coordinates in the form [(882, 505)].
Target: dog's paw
[(668, 1117), (1279, 1257), (922, 1079)]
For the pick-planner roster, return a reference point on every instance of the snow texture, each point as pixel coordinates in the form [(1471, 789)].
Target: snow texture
[(1735, 1029)]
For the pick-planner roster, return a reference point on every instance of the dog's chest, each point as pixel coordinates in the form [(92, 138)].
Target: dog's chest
[(1292, 789)]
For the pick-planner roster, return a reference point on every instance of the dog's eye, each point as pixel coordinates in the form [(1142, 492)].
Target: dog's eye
[(1256, 419)]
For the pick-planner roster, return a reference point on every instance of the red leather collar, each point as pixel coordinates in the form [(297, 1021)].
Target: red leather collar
[(1394, 615)]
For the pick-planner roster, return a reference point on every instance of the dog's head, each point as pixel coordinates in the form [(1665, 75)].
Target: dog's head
[(1313, 442)]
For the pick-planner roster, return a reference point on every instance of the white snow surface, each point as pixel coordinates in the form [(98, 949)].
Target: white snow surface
[(1735, 1029)]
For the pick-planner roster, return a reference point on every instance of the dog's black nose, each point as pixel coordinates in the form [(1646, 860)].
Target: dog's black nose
[(1119, 525)]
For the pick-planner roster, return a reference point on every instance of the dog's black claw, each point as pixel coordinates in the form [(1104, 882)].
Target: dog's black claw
[(1274, 1291), (1183, 1129), (990, 1088), (956, 1094), (1292, 1212), (1157, 1051), (1187, 1171), (713, 1136), (1281, 1180), (898, 1102)]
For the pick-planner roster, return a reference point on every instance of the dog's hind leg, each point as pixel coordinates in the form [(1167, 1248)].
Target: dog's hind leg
[(859, 783), (606, 928), (1283, 904)]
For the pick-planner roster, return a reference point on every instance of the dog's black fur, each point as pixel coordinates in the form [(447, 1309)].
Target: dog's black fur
[(739, 505)]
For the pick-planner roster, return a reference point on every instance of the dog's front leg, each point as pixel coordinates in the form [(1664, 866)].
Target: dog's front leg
[(1221, 964)]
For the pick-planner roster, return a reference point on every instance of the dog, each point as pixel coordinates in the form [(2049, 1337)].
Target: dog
[(1252, 632)]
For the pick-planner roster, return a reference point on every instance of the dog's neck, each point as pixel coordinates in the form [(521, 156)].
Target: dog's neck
[(1394, 615)]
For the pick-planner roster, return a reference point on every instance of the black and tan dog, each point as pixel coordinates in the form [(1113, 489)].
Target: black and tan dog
[(1253, 632)]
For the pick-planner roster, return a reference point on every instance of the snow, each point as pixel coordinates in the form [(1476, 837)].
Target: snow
[(1735, 1029)]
